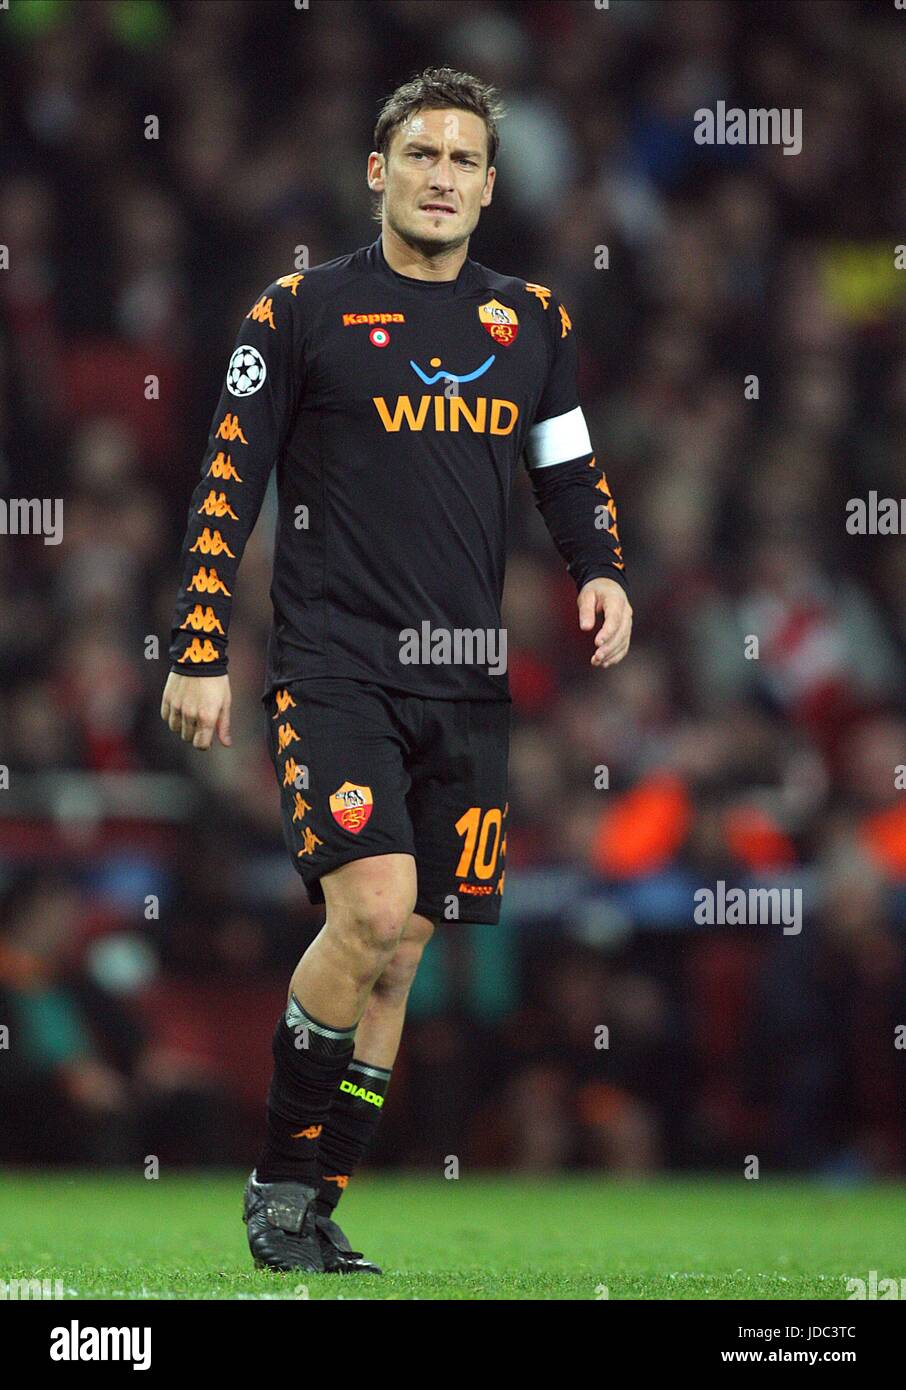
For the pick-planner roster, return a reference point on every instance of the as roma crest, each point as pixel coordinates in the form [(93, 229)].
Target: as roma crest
[(351, 807), (499, 321)]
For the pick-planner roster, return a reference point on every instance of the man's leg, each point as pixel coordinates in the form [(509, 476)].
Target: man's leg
[(369, 903), (378, 1037), (359, 1097)]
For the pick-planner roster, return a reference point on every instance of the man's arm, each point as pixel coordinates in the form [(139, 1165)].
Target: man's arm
[(248, 430), (574, 498)]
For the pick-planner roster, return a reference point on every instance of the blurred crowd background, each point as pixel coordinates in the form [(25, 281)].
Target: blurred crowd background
[(150, 914)]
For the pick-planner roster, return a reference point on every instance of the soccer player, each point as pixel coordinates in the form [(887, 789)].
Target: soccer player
[(397, 389)]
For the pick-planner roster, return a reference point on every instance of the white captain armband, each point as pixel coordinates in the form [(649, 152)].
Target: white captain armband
[(558, 439)]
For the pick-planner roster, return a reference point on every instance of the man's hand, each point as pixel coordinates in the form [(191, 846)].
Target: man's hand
[(194, 706), (612, 641)]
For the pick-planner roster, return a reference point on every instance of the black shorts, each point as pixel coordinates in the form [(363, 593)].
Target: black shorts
[(364, 770)]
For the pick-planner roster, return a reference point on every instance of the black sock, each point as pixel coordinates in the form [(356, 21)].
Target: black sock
[(349, 1129), (302, 1087)]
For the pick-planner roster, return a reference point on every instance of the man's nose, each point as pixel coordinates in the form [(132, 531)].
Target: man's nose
[(443, 173)]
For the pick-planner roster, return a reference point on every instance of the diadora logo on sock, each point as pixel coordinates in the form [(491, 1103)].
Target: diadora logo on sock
[(360, 1093)]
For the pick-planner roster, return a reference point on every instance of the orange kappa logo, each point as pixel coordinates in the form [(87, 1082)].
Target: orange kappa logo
[(200, 653), (354, 319), (309, 840), (311, 1132), (284, 701), (217, 505), (202, 620), (229, 429), (211, 544), (541, 293), (263, 312), (206, 581), (286, 735), (222, 467), (611, 508)]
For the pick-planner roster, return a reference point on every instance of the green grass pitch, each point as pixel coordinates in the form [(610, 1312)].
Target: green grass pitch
[(478, 1237)]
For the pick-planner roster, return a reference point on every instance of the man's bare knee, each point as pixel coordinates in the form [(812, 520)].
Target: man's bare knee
[(395, 980), (370, 901)]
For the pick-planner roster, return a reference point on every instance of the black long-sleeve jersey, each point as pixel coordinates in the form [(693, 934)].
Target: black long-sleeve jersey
[(396, 411)]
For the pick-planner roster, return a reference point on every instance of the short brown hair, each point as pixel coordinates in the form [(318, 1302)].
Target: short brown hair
[(434, 89)]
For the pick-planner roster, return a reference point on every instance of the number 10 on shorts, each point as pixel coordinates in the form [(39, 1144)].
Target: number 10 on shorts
[(482, 831)]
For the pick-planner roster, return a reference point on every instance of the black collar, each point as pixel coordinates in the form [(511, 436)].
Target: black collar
[(466, 280)]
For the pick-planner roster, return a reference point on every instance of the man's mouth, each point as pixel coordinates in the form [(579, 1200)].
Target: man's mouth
[(439, 209)]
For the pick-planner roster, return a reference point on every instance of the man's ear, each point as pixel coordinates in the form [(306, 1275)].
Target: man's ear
[(377, 169)]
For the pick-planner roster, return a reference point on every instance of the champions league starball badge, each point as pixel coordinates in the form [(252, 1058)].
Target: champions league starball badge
[(246, 372)]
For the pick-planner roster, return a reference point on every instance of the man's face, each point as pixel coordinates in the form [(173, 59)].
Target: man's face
[(436, 161)]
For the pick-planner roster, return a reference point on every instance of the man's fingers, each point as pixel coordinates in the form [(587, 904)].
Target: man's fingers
[(198, 729), (613, 628), (202, 732), (202, 739), (612, 657), (613, 621), (611, 647), (223, 727), (620, 652), (587, 610), (196, 709)]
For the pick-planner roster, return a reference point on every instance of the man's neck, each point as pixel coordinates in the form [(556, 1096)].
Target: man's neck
[(411, 261)]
